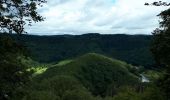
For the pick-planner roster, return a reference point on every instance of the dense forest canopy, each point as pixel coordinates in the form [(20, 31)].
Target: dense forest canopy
[(134, 49)]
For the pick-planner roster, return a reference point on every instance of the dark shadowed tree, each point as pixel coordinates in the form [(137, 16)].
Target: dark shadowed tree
[(161, 47), (14, 15), (13, 73)]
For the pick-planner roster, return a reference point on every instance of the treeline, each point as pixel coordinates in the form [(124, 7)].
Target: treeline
[(134, 49)]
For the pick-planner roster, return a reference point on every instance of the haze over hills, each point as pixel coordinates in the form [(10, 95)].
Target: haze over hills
[(134, 49)]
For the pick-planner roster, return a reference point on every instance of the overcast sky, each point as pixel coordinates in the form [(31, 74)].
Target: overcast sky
[(97, 16)]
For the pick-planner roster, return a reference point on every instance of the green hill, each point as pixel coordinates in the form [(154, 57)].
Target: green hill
[(96, 72)]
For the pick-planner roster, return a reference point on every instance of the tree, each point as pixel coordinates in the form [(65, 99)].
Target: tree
[(15, 14), (58, 88), (160, 3), (161, 47), (13, 73)]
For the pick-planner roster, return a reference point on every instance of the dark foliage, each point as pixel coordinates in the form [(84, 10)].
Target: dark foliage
[(12, 73), (159, 3), (161, 50), (57, 88), (134, 49), (97, 73), (15, 14)]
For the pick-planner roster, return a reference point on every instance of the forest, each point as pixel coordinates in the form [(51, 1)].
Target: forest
[(89, 66), (134, 49)]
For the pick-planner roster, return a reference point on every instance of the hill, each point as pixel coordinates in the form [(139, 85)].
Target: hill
[(134, 49), (96, 72)]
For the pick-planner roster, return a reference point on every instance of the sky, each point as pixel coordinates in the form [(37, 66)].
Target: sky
[(97, 16)]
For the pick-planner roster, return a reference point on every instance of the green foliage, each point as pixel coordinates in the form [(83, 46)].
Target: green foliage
[(95, 72), (86, 77), (134, 49), (128, 95), (13, 73), (39, 95), (153, 93), (161, 50), (58, 88), (150, 92)]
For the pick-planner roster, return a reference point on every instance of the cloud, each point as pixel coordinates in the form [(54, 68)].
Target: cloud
[(102, 16)]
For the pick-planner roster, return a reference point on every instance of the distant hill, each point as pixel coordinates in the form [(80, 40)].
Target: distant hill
[(96, 72), (134, 49)]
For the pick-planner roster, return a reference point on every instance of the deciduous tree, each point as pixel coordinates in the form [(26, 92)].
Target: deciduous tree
[(15, 14)]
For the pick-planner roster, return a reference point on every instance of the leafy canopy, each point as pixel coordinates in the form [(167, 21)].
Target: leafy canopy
[(15, 14), (161, 48)]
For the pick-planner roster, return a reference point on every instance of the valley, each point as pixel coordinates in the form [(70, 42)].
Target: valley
[(88, 67)]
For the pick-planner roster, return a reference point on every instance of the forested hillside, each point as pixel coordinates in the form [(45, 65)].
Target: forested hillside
[(89, 77), (134, 49), (84, 78), (95, 72)]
